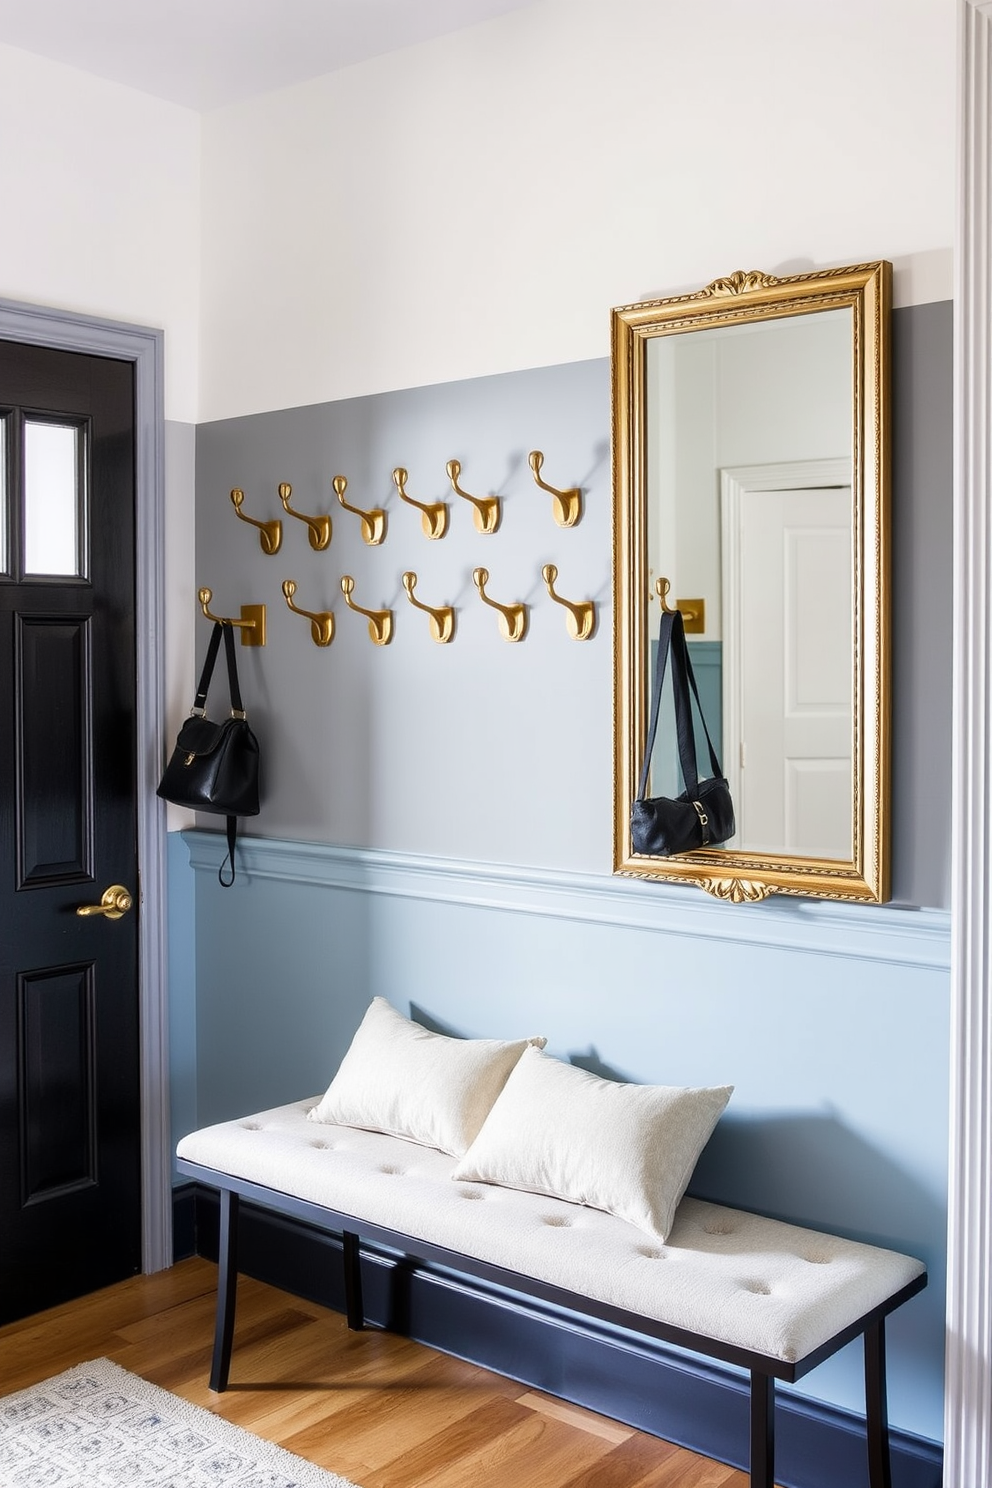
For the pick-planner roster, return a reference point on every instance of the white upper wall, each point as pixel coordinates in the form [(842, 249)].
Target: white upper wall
[(477, 203), (101, 193)]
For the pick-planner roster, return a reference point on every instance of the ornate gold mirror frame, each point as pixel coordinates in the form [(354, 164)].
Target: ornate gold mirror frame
[(748, 871)]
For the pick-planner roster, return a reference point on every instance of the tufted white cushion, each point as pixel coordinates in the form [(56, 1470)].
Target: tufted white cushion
[(755, 1283), (561, 1131), (400, 1078)]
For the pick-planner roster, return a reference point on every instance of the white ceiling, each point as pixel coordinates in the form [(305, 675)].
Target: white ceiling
[(207, 53)]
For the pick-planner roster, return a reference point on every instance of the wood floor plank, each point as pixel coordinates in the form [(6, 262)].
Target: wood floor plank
[(380, 1409)]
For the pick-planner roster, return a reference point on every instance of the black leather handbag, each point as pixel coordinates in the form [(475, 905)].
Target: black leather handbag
[(214, 766), (703, 816)]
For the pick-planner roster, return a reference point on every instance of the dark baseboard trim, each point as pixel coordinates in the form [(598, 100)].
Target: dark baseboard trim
[(655, 1388)]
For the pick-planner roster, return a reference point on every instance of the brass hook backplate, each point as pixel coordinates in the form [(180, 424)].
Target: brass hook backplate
[(512, 618), (373, 521), (580, 615), (433, 516), (566, 506), (318, 528), (269, 533), (486, 510)]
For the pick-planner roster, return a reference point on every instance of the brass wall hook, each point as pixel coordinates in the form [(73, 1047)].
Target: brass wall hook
[(512, 618), (321, 624), (318, 528), (567, 505), (486, 510), (373, 522), (269, 533), (433, 517), (251, 624), (442, 621), (380, 621), (580, 615)]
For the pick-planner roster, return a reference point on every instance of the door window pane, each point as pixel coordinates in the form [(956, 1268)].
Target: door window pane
[(51, 498)]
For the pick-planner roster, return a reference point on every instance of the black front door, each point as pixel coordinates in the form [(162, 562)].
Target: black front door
[(70, 1201)]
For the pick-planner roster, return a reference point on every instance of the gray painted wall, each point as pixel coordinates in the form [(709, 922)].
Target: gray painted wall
[(490, 751)]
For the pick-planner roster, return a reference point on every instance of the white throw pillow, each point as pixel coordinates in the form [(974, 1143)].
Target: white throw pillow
[(400, 1078), (628, 1149)]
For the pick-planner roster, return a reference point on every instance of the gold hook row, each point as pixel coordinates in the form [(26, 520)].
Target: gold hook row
[(580, 615), (251, 624), (486, 510)]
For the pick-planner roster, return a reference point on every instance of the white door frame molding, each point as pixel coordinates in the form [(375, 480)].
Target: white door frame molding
[(42, 326), (968, 1401)]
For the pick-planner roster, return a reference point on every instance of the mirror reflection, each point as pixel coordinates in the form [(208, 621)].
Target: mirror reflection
[(751, 470), (749, 512)]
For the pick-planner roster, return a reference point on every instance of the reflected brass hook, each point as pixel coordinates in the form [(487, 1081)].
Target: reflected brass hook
[(433, 518), (380, 621), (251, 624), (269, 534), (373, 522), (580, 615), (567, 505), (321, 624), (442, 621), (318, 528), (692, 612), (485, 509), (512, 618)]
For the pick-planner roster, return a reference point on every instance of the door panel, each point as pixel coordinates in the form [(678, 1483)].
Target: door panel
[(70, 1201)]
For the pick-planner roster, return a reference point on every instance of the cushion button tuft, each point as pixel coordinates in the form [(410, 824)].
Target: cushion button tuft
[(557, 1221)]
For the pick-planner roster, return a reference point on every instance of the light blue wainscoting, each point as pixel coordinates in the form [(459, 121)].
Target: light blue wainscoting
[(831, 1021)]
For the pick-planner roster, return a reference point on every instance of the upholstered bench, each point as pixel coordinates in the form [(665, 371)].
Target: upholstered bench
[(755, 1292)]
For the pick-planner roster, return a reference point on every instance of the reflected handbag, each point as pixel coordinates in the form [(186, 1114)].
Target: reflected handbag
[(214, 766), (703, 815)]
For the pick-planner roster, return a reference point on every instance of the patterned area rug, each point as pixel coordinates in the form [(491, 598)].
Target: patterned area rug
[(99, 1426)]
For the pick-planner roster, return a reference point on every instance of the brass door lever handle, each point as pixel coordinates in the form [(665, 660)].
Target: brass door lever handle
[(115, 902)]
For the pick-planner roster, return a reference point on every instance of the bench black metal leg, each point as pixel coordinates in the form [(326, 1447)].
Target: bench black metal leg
[(354, 1303), (879, 1467), (763, 1430), (227, 1289)]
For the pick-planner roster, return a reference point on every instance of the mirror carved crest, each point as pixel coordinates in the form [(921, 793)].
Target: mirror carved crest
[(751, 474)]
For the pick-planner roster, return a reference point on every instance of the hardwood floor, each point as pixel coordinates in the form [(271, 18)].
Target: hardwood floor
[(379, 1409)]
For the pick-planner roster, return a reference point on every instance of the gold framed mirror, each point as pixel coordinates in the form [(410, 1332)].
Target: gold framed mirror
[(751, 491)]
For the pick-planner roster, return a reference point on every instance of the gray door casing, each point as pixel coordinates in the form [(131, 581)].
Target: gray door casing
[(143, 346)]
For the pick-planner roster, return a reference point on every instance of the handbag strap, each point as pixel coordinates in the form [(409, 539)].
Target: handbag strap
[(200, 701), (671, 638), (684, 678), (660, 664)]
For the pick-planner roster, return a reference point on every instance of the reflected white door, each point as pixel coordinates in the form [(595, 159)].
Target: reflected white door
[(791, 652)]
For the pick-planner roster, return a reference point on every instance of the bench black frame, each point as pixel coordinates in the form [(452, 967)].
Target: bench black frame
[(763, 1369)]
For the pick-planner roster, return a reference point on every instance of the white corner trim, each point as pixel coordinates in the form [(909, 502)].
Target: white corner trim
[(43, 326), (968, 1400), (911, 938)]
